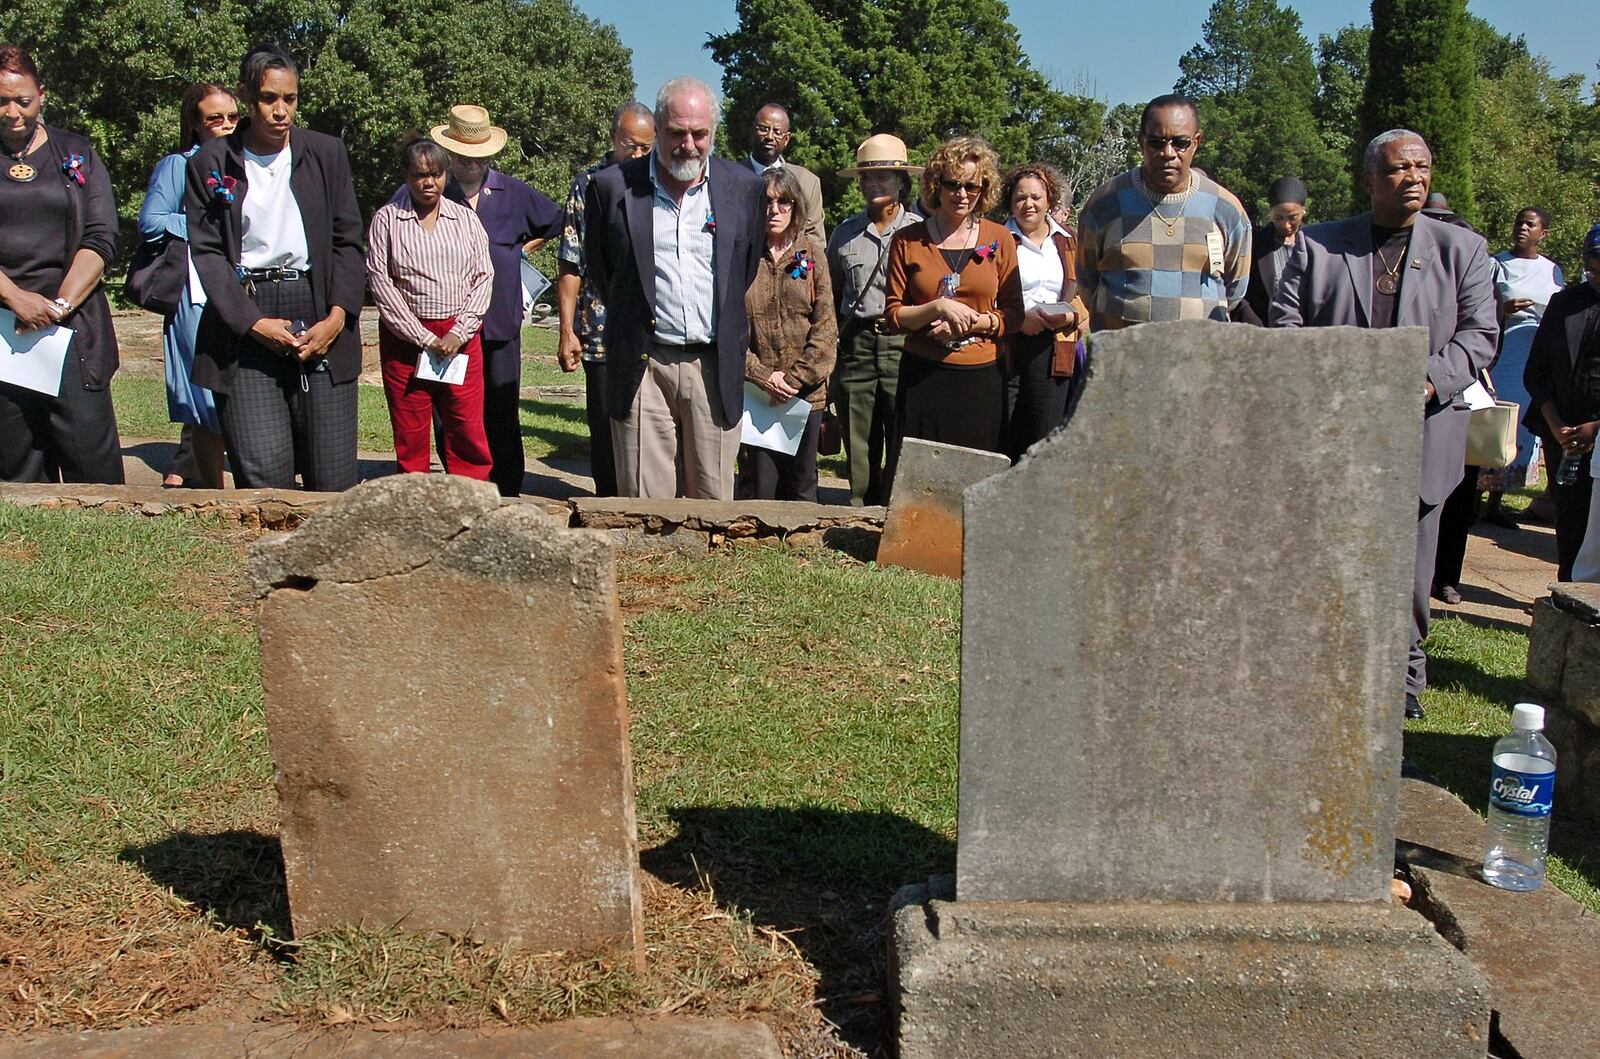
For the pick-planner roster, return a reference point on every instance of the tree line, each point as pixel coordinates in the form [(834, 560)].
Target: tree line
[(1506, 132)]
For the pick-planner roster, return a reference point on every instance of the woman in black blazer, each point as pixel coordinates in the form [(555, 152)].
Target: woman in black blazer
[(276, 237), (59, 230)]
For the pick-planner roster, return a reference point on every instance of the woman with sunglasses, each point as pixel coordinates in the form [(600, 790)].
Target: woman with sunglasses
[(276, 238), (60, 229), (793, 336), (209, 111), (953, 288)]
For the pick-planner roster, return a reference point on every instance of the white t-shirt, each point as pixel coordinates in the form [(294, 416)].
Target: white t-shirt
[(274, 234)]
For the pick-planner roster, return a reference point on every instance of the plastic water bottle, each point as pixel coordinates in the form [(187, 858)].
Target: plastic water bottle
[(1567, 470), (1521, 792)]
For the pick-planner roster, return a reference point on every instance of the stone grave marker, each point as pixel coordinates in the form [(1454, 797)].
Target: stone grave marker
[(923, 528), (448, 720), (1182, 683)]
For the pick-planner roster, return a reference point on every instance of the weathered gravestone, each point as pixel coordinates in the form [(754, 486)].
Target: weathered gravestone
[(923, 529), (1181, 697), (446, 708)]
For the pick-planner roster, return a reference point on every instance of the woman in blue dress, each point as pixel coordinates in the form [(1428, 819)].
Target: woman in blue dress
[(209, 111)]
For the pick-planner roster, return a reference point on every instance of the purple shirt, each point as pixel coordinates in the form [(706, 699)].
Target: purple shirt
[(512, 213)]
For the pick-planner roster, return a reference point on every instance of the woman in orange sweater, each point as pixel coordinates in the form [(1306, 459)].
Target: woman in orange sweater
[(952, 287)]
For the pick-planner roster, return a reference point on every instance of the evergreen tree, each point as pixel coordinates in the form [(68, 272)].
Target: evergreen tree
[(1253, 76), (922, 69), (1422, 66), (1341, 80)]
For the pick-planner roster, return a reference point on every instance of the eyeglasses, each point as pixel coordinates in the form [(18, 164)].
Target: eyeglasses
[(780, 204), (954, 186), (1179, 143), (770, 130), (221, 119)]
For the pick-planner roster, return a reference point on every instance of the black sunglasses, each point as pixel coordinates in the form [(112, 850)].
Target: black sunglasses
[(954, 186), (1179, 143)]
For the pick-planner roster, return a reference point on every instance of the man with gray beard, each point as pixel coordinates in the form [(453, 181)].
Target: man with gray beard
[(673, 241)]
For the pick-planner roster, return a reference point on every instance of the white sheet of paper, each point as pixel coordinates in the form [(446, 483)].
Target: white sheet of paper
[(1477, 396), (534, 284), (33, 359), (451, 370), (777, 427)]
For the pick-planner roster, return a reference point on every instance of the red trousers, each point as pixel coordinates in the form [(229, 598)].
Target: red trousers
[(412, 401)]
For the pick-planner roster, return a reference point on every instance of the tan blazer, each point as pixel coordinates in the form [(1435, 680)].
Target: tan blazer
[(810, 201)]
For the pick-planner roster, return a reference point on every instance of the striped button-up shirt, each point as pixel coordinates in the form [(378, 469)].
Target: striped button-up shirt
[(686, 289), (416, 274)]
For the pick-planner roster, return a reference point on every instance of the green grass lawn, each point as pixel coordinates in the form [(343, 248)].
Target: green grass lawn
[(794, 717)]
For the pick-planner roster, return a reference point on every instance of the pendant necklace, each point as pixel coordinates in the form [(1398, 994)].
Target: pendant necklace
[(1183, 199), (1389, 282), (21, 171)]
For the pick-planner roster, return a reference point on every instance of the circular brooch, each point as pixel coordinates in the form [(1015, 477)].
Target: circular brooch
[(22, 172)]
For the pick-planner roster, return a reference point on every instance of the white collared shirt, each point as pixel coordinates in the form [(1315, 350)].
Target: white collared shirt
[(686, 290), (759, 168), (274, 235), (1039, 267)]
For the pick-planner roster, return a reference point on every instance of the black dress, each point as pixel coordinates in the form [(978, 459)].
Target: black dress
[(48, 219)]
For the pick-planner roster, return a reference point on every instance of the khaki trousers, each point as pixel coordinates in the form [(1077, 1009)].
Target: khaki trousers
[(672, 414)]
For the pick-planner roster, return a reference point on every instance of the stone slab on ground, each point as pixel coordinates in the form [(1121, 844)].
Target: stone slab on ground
[(977, 980), (576, 1039), (1181, 670), (448, 720), (923, 530), (1537, 950)]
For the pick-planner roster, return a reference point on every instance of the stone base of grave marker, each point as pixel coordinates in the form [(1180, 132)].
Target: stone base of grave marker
[(923, 529), (975, 980), (447, 714)]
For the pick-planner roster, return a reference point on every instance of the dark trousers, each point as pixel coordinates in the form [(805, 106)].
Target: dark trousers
[(70, 438), (501, 422), (767, 475), (1421, 585), (1455, 520), (280, 416), (1572, 515), (602, 457), (950, 405), (1035, 399), (865, 380)]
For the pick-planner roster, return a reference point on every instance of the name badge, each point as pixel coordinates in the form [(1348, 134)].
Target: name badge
[(1214, 248)]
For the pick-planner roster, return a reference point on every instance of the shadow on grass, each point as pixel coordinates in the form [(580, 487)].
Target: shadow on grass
[(235, 876), (560, 424), (1446, 673), (822, 876)]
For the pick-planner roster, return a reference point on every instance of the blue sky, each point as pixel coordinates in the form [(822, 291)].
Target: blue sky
[(1118, 66)]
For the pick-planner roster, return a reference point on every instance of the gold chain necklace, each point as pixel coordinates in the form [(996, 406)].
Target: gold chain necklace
[(1389, 282), (1183, 199)]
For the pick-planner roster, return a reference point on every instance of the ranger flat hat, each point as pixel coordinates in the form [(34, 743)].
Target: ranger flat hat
[(881, 152), (469, 133)]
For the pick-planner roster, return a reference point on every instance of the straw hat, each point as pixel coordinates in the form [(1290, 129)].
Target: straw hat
[(881, 152), (469, 133)]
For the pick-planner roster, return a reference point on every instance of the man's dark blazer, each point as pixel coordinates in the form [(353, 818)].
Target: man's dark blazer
[(320, 179), (619, 249), (1553, 359), (1257, 295), (1448, 289)]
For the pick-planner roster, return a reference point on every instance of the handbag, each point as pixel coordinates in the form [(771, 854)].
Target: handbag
[(157, 274), (829, 438), (1492, 435)]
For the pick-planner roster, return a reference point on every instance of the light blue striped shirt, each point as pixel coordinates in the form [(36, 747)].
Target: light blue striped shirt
[(686, 293)]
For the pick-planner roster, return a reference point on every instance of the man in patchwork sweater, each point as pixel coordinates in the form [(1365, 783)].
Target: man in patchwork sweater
[(1164, 241)]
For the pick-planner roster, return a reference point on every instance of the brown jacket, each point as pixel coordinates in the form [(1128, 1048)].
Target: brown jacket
[(792, 326), (1063, 360)]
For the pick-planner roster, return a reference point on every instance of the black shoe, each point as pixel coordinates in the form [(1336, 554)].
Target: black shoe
[(1447, 594), (1499, 516), (1413, 708)]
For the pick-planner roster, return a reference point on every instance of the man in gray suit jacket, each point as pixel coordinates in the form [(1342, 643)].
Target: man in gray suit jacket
[(770, 138), (1394, 267), (672, 241)]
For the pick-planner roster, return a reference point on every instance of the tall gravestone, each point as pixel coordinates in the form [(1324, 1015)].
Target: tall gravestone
[(448, 719), (1183, 657)]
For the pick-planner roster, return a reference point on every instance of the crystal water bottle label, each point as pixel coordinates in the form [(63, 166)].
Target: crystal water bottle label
[(1522, 785)]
